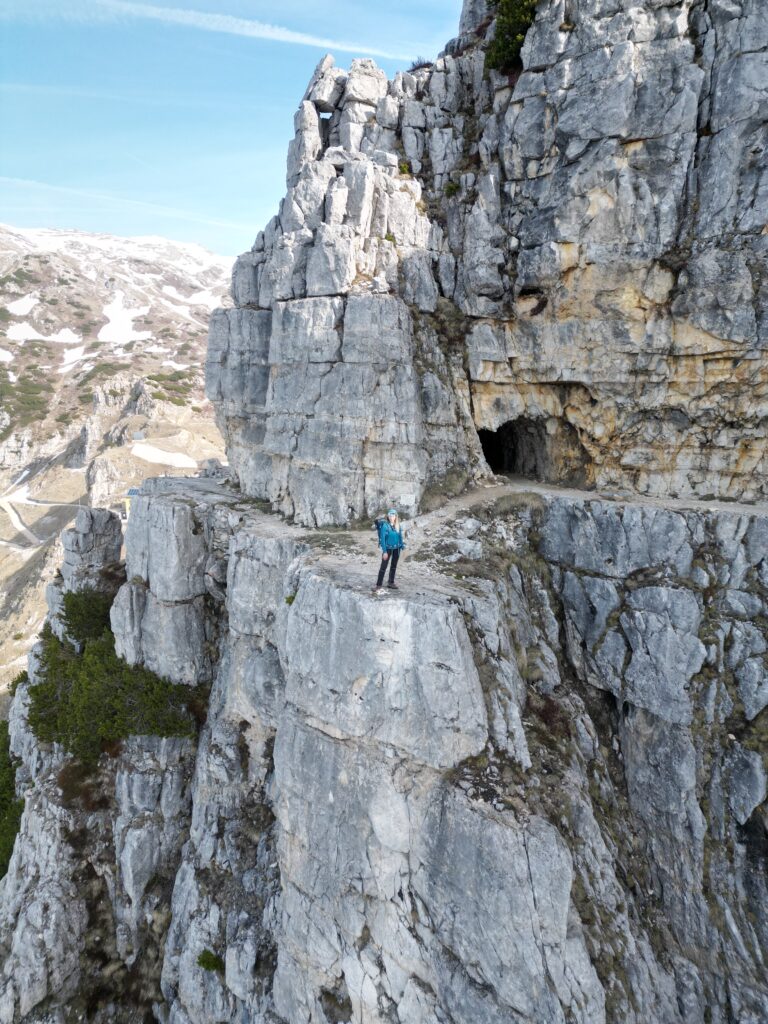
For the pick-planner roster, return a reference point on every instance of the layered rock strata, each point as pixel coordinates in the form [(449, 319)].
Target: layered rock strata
[(531, 787), (577, 252)]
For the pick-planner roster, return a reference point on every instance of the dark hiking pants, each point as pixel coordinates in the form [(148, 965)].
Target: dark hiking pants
[(392, 563)]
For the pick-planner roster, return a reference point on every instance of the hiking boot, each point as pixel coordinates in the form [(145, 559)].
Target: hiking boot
[(393, 586)]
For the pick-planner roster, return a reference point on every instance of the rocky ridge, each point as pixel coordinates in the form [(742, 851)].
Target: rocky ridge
[(531, 786), (573, 256), (82, 313)]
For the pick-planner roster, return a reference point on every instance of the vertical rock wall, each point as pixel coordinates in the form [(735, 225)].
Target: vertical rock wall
[(530, 787), (580, 246), (84, 905), (426, 807)]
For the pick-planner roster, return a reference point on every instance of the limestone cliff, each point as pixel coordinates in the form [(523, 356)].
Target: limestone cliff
[(575, 256), (529, 788)]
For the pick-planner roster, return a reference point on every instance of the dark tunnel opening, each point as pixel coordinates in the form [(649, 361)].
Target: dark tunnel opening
[(525, 447)]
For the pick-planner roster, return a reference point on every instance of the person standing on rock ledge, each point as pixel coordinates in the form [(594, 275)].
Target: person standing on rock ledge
[(391, 543)]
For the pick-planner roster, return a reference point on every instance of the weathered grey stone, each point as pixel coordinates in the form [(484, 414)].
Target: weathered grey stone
[(92, 544), (747, 659), (464, 851), (529, 786), (237, 369), (401, 825), (306, 330), (169, 638), (167, 550), (412, 702), (615, 540), (365, 84), (331, 264), (326, 89), (748, 782), (661, 627)]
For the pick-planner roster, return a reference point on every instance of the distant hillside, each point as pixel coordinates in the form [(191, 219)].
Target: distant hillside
[(102, 344)]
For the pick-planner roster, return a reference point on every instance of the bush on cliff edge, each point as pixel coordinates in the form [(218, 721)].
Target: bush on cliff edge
[(10, 807), (513, 19), (86, 614), (88, 699)]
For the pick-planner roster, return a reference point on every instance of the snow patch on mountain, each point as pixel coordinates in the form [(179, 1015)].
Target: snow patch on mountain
[(119, 328), (150, 453), (25, 331), (72, 356), (23, 306), (102, 344)]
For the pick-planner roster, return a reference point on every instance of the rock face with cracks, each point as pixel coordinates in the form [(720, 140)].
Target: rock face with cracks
[(579, 246), (530, 787)]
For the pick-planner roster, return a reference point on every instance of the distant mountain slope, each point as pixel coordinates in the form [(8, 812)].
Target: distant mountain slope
[(102, 344), (76, 309)]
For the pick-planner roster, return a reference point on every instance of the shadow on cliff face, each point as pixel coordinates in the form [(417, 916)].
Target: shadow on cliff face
[(546, 450)]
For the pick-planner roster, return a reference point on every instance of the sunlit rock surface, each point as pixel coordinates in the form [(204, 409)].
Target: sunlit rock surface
[(577, 252), (529, 787)]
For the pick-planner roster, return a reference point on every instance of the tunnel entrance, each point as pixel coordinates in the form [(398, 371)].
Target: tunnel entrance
[(549, 451)]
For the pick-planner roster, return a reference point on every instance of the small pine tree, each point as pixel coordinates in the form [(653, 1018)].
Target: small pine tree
[(86, 614), (513, 19), (209, 961), (10, 807)]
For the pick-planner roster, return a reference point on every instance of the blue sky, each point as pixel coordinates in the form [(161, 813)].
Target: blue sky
[(174, 118)]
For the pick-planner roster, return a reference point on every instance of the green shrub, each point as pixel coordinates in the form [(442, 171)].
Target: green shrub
[(10, 807), (163, 378), (101, 370), (86, 614), (22, 276), (513, 19), (404, 167), (16, 682), (26, 399), (209, 961), (452, 189), (90, 701)]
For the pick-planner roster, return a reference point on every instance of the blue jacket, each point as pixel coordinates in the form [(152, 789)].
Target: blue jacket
[(390, 539)]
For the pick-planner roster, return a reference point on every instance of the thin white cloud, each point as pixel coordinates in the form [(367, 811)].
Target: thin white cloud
[(118, 201), (100, 10), (239, 27)]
